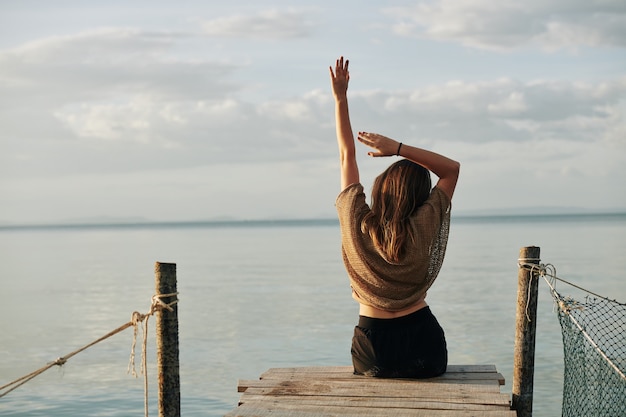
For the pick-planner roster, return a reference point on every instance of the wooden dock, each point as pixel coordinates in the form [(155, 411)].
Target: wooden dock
[(463, 391)]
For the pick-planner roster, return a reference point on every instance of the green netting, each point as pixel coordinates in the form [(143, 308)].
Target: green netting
[(594, 344)]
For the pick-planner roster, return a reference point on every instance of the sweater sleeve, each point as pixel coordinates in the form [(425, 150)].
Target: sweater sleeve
[(433, 222), (352, 196)]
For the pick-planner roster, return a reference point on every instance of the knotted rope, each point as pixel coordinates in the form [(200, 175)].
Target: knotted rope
[(136, 319), (543, 270)]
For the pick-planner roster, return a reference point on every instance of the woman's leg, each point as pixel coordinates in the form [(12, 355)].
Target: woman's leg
[(363, 354)]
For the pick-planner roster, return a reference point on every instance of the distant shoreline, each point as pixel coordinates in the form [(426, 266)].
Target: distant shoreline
[(460, 218)]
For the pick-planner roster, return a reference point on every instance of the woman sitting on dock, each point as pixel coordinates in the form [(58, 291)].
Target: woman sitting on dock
[(393, 249)]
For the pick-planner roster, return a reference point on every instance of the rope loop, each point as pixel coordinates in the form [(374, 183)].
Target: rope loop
[(536, 270), (136, 319), (157, 303)]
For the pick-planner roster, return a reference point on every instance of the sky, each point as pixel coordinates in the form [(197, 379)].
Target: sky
[(200, 110)]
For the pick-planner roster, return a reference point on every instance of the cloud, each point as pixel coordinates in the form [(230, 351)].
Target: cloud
[(270, 24), (112, 60), (508, 24), (502, 110), (232, 129), (106, 119), (111, 84), (120, 99)]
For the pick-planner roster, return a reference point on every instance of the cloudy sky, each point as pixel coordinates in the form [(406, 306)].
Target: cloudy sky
[(194, 110)]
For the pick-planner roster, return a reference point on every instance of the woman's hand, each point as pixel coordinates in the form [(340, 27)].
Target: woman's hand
[(382, 144), (339, 79)]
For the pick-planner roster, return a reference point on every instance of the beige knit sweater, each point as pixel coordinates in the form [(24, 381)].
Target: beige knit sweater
[(374, 280)]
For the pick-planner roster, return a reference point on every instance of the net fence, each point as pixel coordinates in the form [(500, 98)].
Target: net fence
[(594, 344)]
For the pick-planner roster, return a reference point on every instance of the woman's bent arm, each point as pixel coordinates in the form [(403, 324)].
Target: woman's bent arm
[(445, 168)]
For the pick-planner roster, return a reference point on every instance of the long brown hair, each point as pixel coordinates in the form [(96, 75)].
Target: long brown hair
[(397, 193)]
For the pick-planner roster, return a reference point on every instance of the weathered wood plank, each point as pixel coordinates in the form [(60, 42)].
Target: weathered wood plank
[(431, 394), (381, 388), (368, 384), (262, 409), (482, 402), (456, 379), (348, 369), (454, 372), (349, 394)]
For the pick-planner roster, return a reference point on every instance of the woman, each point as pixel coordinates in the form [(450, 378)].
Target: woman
[(393, 250)]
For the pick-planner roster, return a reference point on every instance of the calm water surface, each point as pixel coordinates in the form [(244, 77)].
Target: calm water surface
[(255, 296)]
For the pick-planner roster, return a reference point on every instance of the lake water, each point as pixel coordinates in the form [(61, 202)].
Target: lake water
[(261, 295)]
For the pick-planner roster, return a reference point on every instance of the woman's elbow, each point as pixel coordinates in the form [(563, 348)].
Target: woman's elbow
[(455, 169)]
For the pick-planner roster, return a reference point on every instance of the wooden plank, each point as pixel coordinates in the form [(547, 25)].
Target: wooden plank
[(471, 376), (385, 392), (427, 402), (471, 397), (481, 402), (368, 384), (348, 369), (263, 409), (461, 373), (459, 379)]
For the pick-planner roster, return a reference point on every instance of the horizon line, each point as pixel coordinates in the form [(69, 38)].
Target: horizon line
[(223, 221)]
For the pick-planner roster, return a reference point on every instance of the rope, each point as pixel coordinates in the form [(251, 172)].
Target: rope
[(136, 319), (59, 361), (541, 269), (548, 272), (544, 270)]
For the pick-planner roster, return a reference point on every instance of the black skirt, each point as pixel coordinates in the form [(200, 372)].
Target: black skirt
[(412, 346)]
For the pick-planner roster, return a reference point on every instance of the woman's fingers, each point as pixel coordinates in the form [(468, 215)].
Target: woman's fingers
[(340, 66), (369, 139), (379, 142)]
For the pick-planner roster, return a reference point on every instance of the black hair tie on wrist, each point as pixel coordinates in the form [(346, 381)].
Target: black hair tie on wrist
[(398, 151)]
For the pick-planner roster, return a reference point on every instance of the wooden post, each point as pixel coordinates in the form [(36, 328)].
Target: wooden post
[(167, 342), (525, 327)]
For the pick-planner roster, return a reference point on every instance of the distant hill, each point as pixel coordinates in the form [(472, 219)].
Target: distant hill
[(536, 211)]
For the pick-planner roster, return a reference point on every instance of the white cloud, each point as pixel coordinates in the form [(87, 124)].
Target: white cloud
[(507, 24), (108, 62), (296, 110), (500, 110), (615, 130), (269, 24), (138, 119), (513, 104), (119, 85), (185, 113)]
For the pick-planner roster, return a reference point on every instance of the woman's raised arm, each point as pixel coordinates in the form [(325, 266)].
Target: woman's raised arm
[(345, 138)]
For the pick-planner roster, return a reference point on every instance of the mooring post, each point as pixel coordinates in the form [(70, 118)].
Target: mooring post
[(167, 341), (525, 327)]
